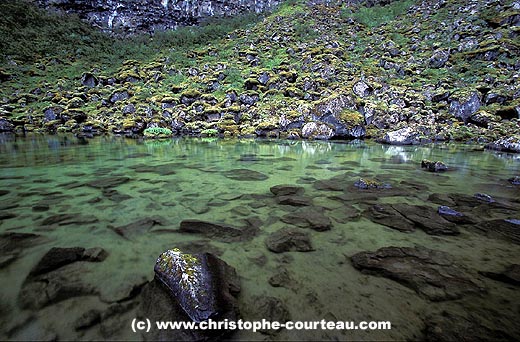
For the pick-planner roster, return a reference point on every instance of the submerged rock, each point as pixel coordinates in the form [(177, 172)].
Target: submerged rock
[(433, 166), (289, 239), (284, 190), (427, 219), (431, 273), (510, 275), (508, 230), (365, 183), (454, 327), (388, 216), (514, 180), (245, 175), (200, 283), (60, 275), (268, 308), (221, 232), (311, 217)]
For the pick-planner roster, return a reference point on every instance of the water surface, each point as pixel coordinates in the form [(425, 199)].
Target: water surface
[(205, 179)]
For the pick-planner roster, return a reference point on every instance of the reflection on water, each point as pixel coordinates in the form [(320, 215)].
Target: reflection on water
[(53, 187)]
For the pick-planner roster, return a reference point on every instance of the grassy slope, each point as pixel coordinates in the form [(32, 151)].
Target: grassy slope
[(328, 49)]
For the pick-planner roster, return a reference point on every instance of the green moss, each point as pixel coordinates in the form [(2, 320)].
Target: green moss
[(351, 117)]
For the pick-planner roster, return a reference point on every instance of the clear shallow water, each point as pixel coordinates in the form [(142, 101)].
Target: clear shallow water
[(196, 179)]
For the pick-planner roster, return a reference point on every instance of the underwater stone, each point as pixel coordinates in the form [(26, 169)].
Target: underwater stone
[(510, 275), (514, 180), (484, 197), (197, 283), (364, 183), (245, 175), (433, 166), (289, 239), (431, 273)]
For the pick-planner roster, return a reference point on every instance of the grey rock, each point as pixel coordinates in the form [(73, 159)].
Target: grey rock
[(318, 131), (403, 136), (308, 217), (464, 108), (439, 59)]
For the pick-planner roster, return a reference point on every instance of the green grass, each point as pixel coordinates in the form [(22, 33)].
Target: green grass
[(378, 15)]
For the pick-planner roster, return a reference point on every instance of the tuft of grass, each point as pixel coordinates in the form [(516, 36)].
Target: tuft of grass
[(378, 15)]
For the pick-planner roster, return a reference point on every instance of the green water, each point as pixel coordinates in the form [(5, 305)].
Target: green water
[(186, 179)]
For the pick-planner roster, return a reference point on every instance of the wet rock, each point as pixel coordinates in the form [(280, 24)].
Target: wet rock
[(269, 308), (464, 108), (365, 183), (309, 217), (289, 239), (509, 144), (439, 59), (484, 197), (514, 180), (433, 166), (16, 242), (403, 136), (427, 219), (454, 216), (314, 130), (454, 327), (432, 274), (284, 190), (388, 216), (245, 175), (507, 230), (510, 275), (139, 227), (108, 182), (4, 192), (219, 231), (202, 284), (40, 207)]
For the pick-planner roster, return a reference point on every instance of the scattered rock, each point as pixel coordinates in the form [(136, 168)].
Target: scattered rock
[(139, 227), (403, 136), (454, 327), (514, 180), (365, 183), (294, 200), (68, 219), (269, 308), (510, 275), (108, 182), (509, 144), (439, 59), (388, 216), (289, 239), (433, 166), (362, 89), (507, 230), (454, 216), (219, 231), (427, 219), (464, 108), (432, 274), (319, 131), (309, 217), (284, 190), (245, 175), (57, 257)]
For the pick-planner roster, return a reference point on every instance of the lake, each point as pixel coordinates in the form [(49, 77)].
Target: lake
[(127, 199)]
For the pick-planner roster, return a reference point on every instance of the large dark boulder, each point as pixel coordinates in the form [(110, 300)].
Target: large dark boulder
[(432, 274), (203, 285)]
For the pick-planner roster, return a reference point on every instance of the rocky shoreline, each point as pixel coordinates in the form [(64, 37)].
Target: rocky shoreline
[(442, 71)]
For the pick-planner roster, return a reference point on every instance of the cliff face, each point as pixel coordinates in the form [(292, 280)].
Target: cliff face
[(133, 16)]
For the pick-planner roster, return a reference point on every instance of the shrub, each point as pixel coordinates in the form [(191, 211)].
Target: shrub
[(157, 132)]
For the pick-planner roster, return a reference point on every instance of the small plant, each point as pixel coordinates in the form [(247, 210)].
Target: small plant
[(210, 132), (157, 132), (378, 15)]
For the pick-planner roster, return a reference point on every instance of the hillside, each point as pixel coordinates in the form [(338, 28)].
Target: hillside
[(404, 73)]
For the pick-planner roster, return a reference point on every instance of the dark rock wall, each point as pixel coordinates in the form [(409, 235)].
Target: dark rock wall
[(132, 16)]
